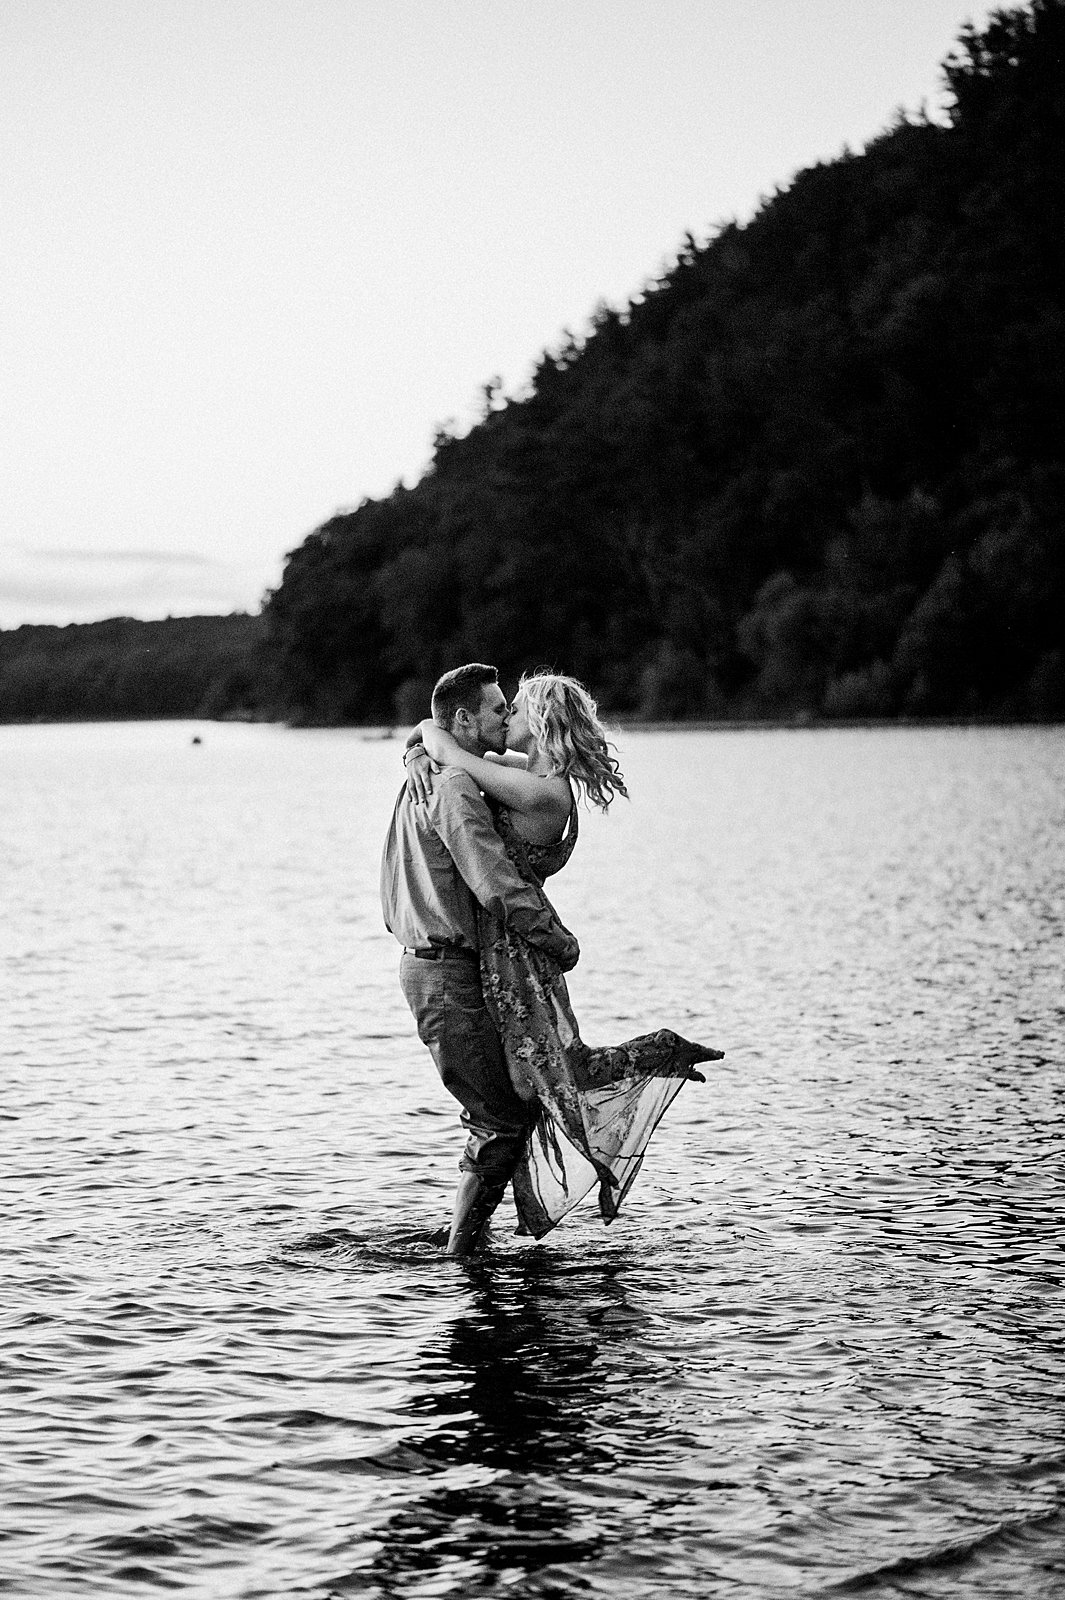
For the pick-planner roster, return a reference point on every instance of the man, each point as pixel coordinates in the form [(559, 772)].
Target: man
[(440, 859)]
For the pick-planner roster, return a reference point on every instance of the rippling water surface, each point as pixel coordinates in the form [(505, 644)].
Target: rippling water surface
[(822, 1353)]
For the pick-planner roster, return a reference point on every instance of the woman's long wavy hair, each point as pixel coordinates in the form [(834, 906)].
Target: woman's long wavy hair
[(564, 721)]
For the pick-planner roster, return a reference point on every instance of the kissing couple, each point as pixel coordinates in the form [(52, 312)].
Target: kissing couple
[(487, 812)]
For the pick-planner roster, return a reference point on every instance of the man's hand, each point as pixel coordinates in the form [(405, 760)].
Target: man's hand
[(567, 952), (419, 774)]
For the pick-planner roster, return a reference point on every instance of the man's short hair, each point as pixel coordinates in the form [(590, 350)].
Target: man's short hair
[(461, 688)]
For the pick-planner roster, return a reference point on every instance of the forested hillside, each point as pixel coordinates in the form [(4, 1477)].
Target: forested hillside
[(180, 667), (818, 469)]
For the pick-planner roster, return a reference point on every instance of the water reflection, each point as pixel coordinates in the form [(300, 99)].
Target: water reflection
[(510, 1399)]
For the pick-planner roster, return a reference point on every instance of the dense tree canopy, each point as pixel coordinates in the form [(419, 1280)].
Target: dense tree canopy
[(817, 469), (180, 667)]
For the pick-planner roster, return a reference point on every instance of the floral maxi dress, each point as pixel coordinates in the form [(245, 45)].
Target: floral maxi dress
[(596, 1107)]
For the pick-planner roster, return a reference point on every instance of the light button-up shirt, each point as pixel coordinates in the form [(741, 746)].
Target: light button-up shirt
[(442, 857)]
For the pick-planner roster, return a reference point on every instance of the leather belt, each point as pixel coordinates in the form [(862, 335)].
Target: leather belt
[(437, 952)]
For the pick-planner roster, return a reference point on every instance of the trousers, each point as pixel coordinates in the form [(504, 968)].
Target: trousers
[(448, 1007)]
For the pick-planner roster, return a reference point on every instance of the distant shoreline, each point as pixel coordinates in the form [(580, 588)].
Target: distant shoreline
[(791, 724), (381, 732)]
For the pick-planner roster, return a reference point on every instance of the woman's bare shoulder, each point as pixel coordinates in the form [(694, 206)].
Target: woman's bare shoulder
[(545, 821), (556, 792)]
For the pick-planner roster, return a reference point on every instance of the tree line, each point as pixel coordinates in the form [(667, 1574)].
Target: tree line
[(180, 667)]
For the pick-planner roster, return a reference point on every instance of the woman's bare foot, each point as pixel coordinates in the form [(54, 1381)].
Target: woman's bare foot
[(685, 1054)]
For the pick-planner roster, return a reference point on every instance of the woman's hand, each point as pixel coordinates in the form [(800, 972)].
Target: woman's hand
[(419, 771)]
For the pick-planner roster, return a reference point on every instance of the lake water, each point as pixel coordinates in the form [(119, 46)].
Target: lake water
[(823, 1351)]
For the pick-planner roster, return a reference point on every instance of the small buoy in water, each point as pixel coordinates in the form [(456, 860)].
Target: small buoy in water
[(196, 739)]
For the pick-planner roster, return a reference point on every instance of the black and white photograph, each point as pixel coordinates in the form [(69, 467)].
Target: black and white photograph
[(532, 799)]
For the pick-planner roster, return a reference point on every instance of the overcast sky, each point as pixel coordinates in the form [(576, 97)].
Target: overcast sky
[(256, 251)]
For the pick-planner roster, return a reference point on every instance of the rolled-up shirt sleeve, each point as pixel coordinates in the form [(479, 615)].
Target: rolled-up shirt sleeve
[(460, 816)]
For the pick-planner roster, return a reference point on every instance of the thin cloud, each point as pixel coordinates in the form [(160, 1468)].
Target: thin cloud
[(41, 592), (174, 558), (56, 586)]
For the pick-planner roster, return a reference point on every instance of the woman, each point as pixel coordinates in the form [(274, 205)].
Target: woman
[(597, 1107)]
